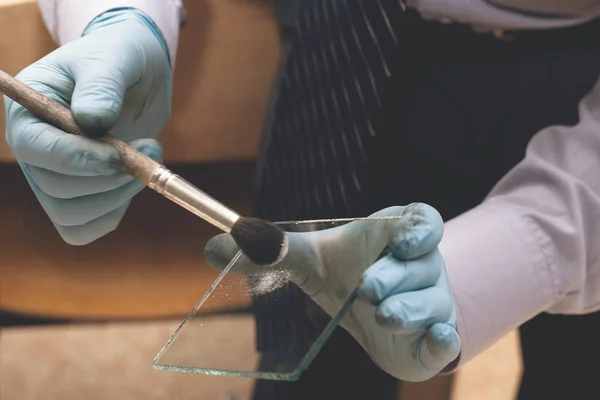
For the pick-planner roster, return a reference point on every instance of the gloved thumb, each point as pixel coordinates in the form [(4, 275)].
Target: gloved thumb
[(416, 233), (220, 250), (439, 347), (99, 94), (302, 255)]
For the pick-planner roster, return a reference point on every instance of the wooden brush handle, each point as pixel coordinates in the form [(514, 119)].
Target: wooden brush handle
[(135, 163)]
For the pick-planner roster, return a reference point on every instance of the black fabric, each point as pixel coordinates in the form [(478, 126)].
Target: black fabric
[(314, 166), (461, 109), (457, 115)]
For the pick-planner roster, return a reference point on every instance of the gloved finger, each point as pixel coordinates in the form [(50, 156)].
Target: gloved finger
[(414, 311), (81, 235), (42, 145), (100, 87), (68, 187), (47, 78), (390, 276), (81, 210), (62, 186), (221, 249), (420, 234), (439, 347), (301, 255)]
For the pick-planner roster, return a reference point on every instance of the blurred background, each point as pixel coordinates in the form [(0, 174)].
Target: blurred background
[(86, 322)]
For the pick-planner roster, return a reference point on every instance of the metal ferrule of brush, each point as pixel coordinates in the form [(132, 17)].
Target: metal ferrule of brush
[(188, 196)]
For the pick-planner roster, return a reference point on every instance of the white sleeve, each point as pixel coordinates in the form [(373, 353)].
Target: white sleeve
[(509, 14), (533, 244), (67, 19)]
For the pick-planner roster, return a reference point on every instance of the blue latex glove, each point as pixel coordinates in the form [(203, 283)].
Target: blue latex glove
[(116, 78), (405, 317)]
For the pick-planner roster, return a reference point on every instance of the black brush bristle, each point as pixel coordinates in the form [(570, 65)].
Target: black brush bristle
[(263, 242)]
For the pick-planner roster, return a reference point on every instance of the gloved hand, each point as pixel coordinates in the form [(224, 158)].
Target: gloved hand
[(117, 78), (405, 314)]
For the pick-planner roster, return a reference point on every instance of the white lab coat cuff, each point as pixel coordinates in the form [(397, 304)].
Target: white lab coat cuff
[(75, 15), (498, 275)]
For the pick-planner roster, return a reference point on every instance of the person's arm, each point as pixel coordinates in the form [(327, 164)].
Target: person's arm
[(532, 245), (67, 19), (509, 14)]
